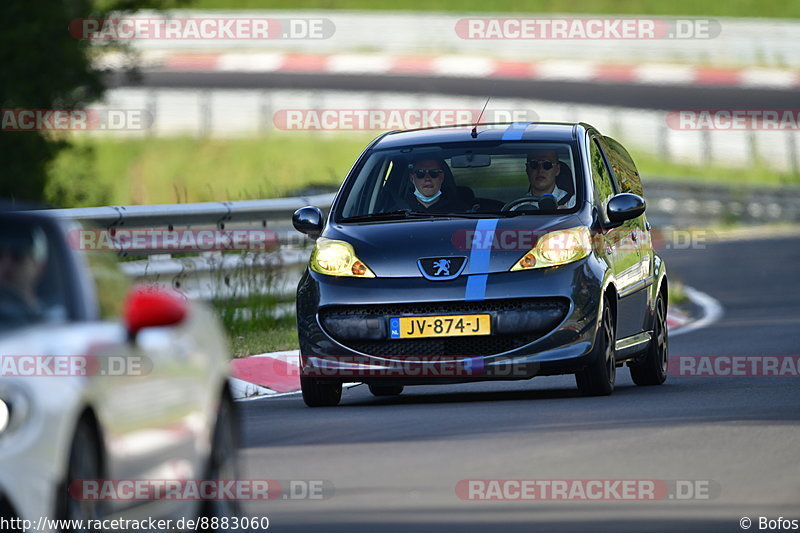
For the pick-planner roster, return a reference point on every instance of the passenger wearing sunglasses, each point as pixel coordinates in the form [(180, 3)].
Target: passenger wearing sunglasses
[(429, 191), (542, 167)]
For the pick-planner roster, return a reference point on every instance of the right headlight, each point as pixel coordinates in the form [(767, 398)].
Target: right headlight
[(557, 248), (337, 258)]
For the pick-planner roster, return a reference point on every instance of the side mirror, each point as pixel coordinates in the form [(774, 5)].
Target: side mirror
[(625, 206), (148, 307), (308, 220)]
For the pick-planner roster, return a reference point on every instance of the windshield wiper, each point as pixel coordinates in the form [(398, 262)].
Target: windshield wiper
[(460, 215), (389, 215), (407, 213), (522, 212)]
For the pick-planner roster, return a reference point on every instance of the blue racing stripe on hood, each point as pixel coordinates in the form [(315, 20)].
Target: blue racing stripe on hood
[(479, 260), (515, 131)]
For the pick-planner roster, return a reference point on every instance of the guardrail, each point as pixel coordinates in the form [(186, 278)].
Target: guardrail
[(217, 275), (239, 113), (211, 274), (217, 214)]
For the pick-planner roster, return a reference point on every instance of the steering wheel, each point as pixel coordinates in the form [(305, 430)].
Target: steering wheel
[(513, 204)]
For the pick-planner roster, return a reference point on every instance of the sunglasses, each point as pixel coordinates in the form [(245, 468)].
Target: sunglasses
[(546, 165), (432, 172)]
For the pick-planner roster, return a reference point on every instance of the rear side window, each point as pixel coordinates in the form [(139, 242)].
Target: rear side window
[(623, 167), (603, 184)]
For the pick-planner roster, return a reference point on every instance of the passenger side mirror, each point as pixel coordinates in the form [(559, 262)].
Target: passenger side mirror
[(149, 307), (308, 220), (625, 206)]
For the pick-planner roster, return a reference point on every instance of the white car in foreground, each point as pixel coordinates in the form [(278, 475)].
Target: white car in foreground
[(88, 396)]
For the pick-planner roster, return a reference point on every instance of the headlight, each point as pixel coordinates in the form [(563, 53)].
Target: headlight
[(337, 258), (557, 248), (14, 408), (4, 414)]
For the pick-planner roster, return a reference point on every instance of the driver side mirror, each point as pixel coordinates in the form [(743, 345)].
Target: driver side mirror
[(149, 307), (308, 220), (625, 206)]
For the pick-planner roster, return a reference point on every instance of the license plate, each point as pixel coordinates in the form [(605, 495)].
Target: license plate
[(407, 327)]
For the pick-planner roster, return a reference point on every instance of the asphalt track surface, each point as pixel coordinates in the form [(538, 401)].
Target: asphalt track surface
[(395, 462), (613, 94)]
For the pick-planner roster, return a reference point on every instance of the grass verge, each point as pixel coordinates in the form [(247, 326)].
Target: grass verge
[(758, 174), (277, 336), (185, 169)]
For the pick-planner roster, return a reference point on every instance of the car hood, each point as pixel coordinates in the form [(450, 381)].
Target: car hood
[(393, 248)]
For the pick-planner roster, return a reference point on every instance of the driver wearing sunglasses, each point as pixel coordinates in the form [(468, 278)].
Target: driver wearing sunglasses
[(427, 177), (542, 167)]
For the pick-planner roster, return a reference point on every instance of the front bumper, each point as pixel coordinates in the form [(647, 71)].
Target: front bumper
[(543, 323), (29, 477)]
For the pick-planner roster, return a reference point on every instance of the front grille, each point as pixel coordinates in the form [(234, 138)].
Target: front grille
[(554, 309)]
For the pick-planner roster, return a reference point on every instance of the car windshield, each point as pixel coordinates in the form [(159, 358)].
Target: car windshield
[(472, 180)]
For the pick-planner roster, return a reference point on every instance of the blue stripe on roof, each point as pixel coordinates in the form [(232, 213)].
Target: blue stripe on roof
[(515, 131)]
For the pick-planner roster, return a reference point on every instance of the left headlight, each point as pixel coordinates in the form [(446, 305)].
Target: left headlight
[(337, 258), (557, 248), (15, 408), (4, 416)]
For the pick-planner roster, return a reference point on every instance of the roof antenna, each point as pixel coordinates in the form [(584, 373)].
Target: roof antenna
[(475, 127)]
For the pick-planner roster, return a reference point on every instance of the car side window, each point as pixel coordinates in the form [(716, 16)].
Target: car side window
[(603, 184), (623, 166)]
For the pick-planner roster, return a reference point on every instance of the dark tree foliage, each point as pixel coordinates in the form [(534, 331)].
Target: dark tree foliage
[(42, 66)]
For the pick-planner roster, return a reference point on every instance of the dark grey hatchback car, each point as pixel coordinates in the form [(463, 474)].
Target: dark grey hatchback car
[(493, 252)]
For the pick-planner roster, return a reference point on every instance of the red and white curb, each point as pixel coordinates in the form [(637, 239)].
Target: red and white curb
[(464, 67), (277, 374), (267, 374)]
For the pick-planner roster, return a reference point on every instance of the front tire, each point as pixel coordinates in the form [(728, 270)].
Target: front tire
[(652, 370), (598, 378), (84, 464), (317, 394), (222, 463)]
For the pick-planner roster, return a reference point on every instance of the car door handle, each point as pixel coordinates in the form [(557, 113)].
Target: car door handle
[(634, 237)]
